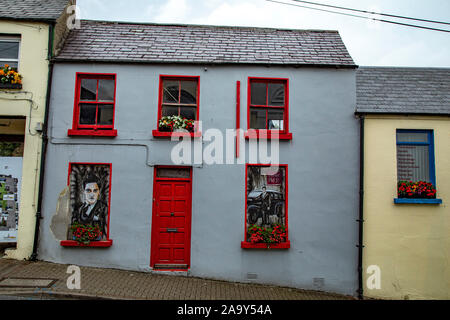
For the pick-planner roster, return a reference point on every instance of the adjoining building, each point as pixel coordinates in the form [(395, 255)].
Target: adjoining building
[(31, 31), (121, 90), (406, 130)]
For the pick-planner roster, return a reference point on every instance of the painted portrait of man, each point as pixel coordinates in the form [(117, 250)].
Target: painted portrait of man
[(89, 191)]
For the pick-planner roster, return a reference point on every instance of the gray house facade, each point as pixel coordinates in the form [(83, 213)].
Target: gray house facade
[(226, 213)]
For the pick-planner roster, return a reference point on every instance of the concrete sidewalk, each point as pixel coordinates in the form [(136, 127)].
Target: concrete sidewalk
[(99, 283)]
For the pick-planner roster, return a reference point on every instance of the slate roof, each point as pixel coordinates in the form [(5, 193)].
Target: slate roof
[(159, 43), (403, 90), (32, 9)]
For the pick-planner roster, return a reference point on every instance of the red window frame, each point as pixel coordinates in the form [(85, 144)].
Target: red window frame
[(253, 133), (156, 132), (284, 245), (104, 243), (92, 130)]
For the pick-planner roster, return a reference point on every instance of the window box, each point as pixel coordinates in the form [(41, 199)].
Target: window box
[(179, 98), (268, 108), (95, 102), (249, 245), (10, 86), (263, 134), (168, 134), (97, 244), (416, 201)]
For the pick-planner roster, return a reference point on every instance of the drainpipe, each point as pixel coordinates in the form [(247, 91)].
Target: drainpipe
[(361, 207), (33, 256)]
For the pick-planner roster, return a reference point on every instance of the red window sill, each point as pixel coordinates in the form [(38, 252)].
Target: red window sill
[(249, 245), (267, 135), (98, 244), (97, 133), (162, 134)]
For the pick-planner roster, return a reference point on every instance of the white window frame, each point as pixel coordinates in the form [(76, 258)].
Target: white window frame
[(11, 39)]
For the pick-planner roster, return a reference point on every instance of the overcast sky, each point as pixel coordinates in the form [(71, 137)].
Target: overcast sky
[(369, 42)]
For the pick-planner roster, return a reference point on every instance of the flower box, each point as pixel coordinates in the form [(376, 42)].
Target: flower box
[(10, 86), (416, 190)]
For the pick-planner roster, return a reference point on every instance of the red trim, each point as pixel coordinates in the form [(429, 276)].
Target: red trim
[(160, 100), (266, 134), (284, 134), (72, 243), (249, 245), (92, 130), (98, 244), (284, 245), (238, 115), (103, 133), (154, 235), (161, 134)]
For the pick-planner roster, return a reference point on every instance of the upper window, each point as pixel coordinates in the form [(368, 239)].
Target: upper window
[(9, 51), (268, 105), (95, 100), (178, 103), (415, 164)]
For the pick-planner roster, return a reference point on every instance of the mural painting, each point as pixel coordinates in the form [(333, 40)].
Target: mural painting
[(89, 199), (266, 204)]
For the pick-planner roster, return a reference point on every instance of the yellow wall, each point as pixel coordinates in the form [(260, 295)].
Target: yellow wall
[(410, 243), (33, 66)]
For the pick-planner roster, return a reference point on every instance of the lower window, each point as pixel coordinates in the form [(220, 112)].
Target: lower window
[(266, 207), (415, 164), (89, 201)]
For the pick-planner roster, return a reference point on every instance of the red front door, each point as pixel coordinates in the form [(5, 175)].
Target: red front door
[(171, 224)]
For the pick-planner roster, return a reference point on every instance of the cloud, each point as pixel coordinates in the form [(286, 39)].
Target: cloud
[(172, 11)]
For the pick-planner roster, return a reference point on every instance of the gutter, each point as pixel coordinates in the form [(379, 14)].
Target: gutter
[(33, 256), (361, 208)]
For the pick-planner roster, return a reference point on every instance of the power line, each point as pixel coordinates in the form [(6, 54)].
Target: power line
[(372, 12), (363, 17)]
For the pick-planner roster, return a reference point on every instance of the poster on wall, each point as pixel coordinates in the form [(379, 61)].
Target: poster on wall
[(10, 184), (266, 199), (89, 200)]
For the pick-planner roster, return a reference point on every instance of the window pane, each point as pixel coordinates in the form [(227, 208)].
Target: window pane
[(88, 90), (170, 91), (276, 94), (173, 173), (169, 111), (9, 50), (266, 196), (188, 92), (258, 118), (87, 113), (275, 119), (188, 112), (105, 114), (258, 93), (413, 163), (106, 90), (412, 136)]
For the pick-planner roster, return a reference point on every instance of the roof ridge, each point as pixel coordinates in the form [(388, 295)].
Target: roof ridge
[(206, 26)]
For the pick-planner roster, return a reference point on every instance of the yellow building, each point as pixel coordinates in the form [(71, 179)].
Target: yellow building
[(406, 137), (31, 32)]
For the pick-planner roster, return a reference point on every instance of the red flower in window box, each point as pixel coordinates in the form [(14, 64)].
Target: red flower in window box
[(171, 123), (418, 190), (84, 234), (271, 235)]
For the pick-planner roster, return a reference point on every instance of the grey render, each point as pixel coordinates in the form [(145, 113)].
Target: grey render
[(403, 90), (322, 160)]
